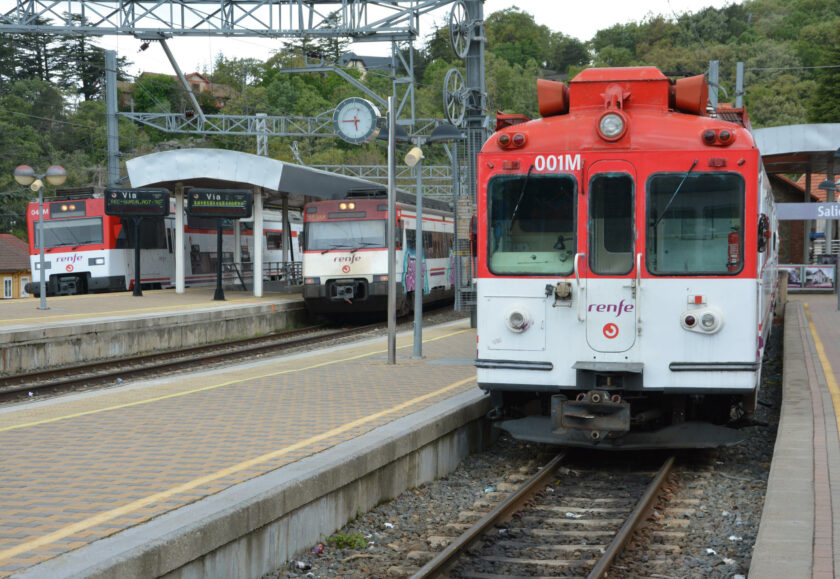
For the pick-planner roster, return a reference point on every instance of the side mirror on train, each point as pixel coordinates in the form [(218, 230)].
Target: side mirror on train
[(764, 232)]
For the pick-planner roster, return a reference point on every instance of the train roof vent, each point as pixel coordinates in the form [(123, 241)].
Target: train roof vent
[(553, 97), (727, 112), (503, 121)]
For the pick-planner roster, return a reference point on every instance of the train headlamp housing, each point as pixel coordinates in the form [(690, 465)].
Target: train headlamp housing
[(518, 319), (708, 320), (612, 125)]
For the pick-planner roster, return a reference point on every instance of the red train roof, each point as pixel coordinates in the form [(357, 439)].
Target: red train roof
[(658, 114)]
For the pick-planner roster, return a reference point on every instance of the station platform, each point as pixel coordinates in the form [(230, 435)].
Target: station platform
[(228, 473), (799, 535), (83, 328)]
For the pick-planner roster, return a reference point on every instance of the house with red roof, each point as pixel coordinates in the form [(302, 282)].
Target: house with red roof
[(14, 266)]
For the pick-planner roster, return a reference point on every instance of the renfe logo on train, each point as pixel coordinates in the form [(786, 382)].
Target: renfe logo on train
[(618, 308)]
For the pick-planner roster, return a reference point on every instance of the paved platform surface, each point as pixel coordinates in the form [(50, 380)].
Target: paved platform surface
[(80, 468), (799, 534), (24, 314)]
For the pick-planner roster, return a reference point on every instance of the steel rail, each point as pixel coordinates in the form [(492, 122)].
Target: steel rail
[(503, 510), (632, 522)]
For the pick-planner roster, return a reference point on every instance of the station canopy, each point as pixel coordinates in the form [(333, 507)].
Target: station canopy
[(796, 149), (222, 169)]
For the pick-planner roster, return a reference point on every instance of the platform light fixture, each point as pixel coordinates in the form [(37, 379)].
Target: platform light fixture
[(25, 175), (442, 133)]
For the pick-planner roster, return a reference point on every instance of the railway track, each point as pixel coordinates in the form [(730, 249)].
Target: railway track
[(573, 523), (59, 380)]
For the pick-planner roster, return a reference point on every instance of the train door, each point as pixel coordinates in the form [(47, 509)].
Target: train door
[(610, 312)]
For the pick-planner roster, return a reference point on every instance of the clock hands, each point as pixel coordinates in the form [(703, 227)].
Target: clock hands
[(354, 120)]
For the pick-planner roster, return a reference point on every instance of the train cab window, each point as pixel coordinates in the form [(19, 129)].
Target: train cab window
[(274, 240), (611, 232), (70, 232), (326, 235), (531, 228), (695, 224)]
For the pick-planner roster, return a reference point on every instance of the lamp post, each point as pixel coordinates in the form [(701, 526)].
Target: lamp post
[(414, 158), (26, 176)]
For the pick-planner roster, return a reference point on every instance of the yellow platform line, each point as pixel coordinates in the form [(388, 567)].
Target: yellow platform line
[(826, 368), (220, 385), (163, 495)]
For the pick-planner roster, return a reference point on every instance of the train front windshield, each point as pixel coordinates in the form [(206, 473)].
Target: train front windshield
[(326, 235), (531, 227), (695, 224), (70, 232)]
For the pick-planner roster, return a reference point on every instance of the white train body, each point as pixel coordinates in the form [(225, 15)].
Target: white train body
[(89, 251), (626, 279), (345, 258)]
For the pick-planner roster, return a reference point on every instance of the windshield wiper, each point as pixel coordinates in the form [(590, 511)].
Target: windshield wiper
[(335, 246), (521, 194), (674, 196), (363, 244)]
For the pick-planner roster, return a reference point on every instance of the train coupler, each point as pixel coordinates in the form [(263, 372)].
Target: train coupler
[(597, 411)]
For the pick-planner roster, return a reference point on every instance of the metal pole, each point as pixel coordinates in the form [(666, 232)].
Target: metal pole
[(392, 226), (806, 225), (111, 116), (418, 266), (138, 291), (220, 293), (714, 83), (42, 266), (180, 266)]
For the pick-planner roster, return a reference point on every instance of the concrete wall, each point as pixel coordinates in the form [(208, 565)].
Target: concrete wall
[(70, 345)]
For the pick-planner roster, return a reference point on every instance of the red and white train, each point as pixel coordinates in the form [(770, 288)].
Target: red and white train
[(345, 257), (87, 251), (626, 267)]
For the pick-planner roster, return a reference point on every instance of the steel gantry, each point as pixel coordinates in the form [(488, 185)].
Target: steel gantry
[(361, 20)]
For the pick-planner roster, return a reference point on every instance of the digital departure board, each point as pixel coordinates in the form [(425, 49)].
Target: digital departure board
[(137, 202), (220, 203)]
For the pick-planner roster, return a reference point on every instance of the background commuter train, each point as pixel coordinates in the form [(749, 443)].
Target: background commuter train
[(627, 265), (87, 251), (345, 257)]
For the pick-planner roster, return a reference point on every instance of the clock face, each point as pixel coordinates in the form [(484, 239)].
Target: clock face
[(356, 120)]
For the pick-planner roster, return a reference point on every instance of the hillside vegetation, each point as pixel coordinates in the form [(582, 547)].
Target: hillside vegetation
[(52, 106)]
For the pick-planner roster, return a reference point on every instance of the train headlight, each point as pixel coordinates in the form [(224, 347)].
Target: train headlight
[(518, 320), (703, 321), (612, 126), (96, 261)]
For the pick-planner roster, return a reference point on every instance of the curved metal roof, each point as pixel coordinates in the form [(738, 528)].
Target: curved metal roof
[(220, 169), (800, 148)]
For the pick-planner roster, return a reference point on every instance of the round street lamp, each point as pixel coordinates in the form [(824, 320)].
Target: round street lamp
[(26, 176)]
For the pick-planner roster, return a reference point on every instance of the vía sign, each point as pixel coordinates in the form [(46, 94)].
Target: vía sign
[(220, 203), (137, 202)]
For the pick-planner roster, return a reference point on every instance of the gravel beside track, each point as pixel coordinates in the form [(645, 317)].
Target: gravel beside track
[(712, 537)]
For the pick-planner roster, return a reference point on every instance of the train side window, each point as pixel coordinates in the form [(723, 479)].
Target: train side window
[(695, 223), (611, 232), (531, 224)]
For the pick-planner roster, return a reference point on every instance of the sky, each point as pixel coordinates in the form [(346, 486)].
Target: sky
[(580, 19)]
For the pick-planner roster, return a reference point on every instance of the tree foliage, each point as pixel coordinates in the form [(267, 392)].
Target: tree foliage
[(52, 100)]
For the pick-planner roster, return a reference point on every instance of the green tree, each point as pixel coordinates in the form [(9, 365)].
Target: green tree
[(825, 102), (514, 36)]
